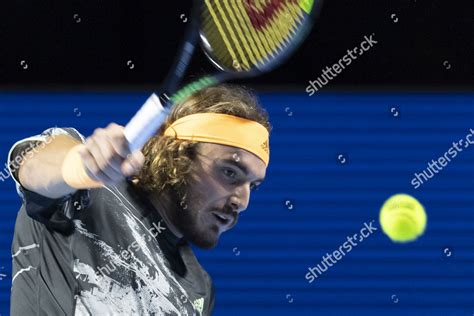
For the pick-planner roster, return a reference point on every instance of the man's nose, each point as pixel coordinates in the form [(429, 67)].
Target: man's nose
[(240, 198)]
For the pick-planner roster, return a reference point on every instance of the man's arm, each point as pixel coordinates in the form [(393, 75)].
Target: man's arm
[(105, 156), (41, 173)]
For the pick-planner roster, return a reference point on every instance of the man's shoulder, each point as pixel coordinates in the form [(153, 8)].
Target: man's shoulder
[(123, 192), (113, 201)]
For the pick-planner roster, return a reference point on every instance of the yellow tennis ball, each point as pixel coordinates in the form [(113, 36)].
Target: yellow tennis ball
[(402, 218)]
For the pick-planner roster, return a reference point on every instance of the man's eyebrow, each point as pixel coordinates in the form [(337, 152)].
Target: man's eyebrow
[(239, 165)]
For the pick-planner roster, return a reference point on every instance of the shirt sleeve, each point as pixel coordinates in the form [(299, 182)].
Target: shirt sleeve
[(54, 213)]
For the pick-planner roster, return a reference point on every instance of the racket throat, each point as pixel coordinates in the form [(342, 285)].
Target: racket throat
[(165, 99)]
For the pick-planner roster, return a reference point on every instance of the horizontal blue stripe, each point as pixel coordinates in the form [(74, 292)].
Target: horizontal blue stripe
[(331, 201)]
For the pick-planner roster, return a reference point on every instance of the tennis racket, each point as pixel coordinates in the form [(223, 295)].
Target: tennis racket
[(241, 38)]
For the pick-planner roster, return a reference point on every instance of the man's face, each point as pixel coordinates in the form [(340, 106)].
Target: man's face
[(220, 185)]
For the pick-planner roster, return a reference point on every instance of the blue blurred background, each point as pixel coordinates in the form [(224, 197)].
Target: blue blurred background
[(335, 158)]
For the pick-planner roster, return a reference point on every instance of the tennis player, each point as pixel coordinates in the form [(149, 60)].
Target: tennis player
[(124, 248)]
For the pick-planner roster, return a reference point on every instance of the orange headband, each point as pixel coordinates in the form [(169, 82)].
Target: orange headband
[(203, 127), (223, 129)]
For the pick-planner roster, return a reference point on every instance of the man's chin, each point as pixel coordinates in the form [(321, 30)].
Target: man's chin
[(205, 242), (205, 245)]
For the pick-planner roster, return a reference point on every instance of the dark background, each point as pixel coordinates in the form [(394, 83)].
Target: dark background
[(93, 44)]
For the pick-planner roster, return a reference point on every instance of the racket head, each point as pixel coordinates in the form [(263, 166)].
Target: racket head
[(250, 37)]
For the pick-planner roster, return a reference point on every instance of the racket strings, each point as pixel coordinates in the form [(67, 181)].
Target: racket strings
[(247, 34)]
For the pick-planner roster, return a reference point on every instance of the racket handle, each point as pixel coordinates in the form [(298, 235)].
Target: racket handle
[(146, 122)]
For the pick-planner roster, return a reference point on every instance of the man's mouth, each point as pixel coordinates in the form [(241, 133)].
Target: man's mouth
[(223, 219)]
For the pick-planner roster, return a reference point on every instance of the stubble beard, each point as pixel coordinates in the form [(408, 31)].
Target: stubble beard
[(186, 220)]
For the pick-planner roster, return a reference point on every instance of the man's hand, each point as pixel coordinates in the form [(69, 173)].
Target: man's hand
[(107, 157)]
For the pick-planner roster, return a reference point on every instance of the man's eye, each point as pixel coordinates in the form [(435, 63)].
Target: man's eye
[(254, 187), (229, 173)]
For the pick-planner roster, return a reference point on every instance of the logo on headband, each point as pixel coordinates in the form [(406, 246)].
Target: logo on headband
[(265, 146)]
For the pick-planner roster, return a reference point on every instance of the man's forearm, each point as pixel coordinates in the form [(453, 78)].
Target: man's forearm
[(41, 171)]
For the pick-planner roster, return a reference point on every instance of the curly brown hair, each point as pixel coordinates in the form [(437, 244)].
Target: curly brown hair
[(168, 161)]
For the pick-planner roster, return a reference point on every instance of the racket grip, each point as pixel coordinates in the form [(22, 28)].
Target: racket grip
[(145, 123)]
